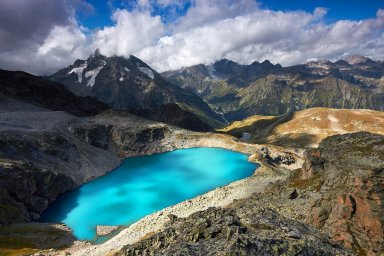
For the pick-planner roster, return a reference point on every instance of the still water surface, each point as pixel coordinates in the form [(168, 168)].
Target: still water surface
[(143, 185)]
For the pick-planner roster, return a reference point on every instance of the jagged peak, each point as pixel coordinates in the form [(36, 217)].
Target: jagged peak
[(224, 61), (357, 59), (97, 53), (266, 63)]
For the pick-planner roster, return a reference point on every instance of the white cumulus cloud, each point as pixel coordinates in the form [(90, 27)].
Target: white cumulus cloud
[(282, 37), (132, 32), (210, 30)]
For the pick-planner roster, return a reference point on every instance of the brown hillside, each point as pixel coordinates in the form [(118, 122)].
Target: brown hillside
[(308, 127)]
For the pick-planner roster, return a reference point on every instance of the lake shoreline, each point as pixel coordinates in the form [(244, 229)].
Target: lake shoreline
[(219, 197)]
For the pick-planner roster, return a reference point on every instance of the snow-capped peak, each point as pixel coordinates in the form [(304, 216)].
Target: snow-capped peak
[(79, 72)]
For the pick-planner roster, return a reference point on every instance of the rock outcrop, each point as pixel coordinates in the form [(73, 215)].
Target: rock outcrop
[(351, 170), (235, 231)]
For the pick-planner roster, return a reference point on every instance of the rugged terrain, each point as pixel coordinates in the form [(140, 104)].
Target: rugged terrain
[(235, 231), (129, 84), (239, 91)]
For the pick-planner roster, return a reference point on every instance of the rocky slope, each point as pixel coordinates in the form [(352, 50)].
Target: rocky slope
[(239, 91), (306, 128), (239, 231), (351, 172), (129, 84), (338, 190), (171, 113)]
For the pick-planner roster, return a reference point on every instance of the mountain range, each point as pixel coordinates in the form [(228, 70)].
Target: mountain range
[(128, 84), (238, 91)]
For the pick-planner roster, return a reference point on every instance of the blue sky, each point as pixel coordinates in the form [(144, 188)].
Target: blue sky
[(171, 34), (337, 9)]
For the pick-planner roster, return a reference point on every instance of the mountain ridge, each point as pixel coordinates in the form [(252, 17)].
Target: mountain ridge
[(239, 91), (128, 84), (44, 93)]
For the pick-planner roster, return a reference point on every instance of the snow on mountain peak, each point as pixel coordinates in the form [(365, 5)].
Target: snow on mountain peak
[(147, 71), (79, 72), (92, 75)]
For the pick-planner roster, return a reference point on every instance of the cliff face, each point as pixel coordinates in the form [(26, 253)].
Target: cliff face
[(40, 162), (351, 170)]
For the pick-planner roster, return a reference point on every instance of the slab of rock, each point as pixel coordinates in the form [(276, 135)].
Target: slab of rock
[(105, 230)]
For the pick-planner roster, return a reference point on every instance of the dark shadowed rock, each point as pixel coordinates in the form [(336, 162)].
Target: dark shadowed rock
[(172, 114), (47, 94)]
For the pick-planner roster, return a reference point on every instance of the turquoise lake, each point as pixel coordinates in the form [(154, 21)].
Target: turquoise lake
[(143, 185)]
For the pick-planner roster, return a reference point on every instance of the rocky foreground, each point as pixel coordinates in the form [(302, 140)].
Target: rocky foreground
[(339, 190), (330, 204)]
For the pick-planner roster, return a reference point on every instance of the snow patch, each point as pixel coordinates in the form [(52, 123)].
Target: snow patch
[(126, 69), (79, 72), (92, 74), (121, 79), (211, 69), (147, 71)]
